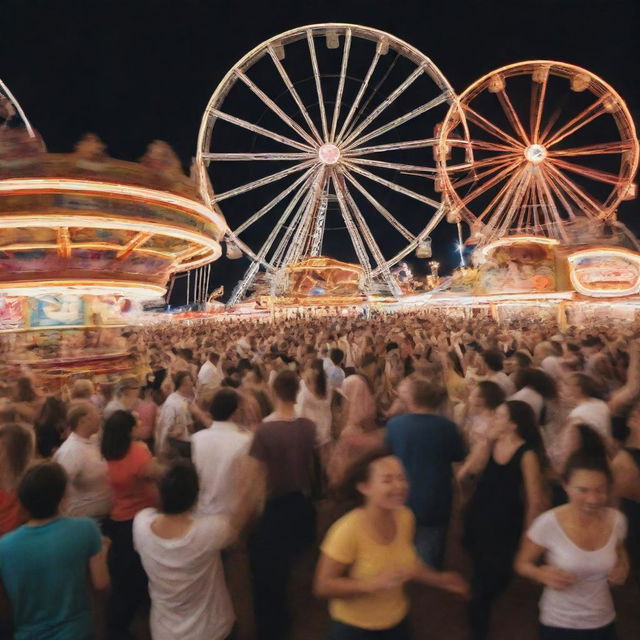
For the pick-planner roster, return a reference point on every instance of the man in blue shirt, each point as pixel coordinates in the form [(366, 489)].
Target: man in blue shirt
[(427, 444), (43, 564)]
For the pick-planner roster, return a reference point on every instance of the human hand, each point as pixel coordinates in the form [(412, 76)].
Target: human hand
[(555, 578)]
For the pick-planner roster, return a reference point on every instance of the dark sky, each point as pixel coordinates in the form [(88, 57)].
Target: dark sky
[(141, 70)]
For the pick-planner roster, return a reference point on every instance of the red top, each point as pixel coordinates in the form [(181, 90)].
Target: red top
[(131, 491), (11, 513)]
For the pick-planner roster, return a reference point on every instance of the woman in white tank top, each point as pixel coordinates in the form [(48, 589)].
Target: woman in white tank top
[(582, 544)]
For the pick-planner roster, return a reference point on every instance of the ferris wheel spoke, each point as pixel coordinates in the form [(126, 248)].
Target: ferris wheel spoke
[(294, 94), (286, 238), (393, 165), (594, 110), (316, 76), (363, 88), (392, 146), (594, 174), (264, 250), (263, 181), (241, 157), (393, 186), (274, 107), (343, 75), (512, 116), (583, 200), (390, 99), (489, 184), (483, 145), (505, 192), (559, 193), (538, 94), (604, 148), (382, 210), (489, 127), (369, 239), (261, 212), (361, 252), (260, 130), (495, 164), (511, 202), (443, 97), (551, 203)]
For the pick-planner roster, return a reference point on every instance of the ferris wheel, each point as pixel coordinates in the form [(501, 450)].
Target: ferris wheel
[(317, 142), (552, 144)]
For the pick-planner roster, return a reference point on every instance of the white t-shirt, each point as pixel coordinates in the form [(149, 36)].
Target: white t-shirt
[(189, 597), (595, 413), (88, 491), (216, 453), (587, 603)]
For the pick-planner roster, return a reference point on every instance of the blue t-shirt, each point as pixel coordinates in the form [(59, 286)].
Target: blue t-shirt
[(427, 444), (44, 572)]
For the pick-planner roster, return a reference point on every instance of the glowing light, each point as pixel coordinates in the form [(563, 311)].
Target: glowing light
[(509, 240), (93, 186), (620, 254), (87, 287)]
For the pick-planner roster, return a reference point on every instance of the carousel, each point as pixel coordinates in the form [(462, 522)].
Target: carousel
[(84, 240)]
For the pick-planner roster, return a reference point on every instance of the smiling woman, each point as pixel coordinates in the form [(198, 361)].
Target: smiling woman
[(368, 555)]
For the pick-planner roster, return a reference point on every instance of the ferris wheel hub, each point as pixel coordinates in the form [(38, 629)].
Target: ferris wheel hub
[(329, 153), (535, 153)]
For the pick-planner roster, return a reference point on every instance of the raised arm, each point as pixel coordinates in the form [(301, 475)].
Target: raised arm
[(631, 389)]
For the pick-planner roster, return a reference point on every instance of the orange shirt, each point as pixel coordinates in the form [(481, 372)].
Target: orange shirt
[(11, 513), (131, 491)]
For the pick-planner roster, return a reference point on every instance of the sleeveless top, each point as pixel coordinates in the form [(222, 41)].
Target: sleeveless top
[(495, 515)]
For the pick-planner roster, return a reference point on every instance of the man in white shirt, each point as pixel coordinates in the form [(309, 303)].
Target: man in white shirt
[(175, 422), (218, 454), (494, 361), (209, 372), (88, 492), (181, 556)]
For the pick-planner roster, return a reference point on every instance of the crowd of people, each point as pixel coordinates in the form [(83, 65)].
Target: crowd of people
[(118, 501)]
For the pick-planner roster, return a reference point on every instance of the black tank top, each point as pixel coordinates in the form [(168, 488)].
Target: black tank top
[(495, 515)]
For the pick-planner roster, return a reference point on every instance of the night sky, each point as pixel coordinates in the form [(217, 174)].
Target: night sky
[(141, 70)]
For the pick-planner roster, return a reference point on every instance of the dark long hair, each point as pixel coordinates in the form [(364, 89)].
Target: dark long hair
[(116, 436), (591, 455), (523, 416)]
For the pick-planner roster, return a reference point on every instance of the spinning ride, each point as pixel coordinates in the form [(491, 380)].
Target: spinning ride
[(305, 147), (83, 238)]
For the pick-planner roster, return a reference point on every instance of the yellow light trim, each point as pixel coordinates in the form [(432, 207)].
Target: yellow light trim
[(91, 186), (518, 240), (59, 220), (625, 254), (82, 287)]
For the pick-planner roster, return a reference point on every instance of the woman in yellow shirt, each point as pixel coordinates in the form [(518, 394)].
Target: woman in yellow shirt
[(369, 554)]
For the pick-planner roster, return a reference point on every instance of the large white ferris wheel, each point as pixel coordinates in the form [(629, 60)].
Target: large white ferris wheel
[(317, 137)]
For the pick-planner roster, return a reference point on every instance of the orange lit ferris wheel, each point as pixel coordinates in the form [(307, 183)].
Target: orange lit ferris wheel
[(551, 144)]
